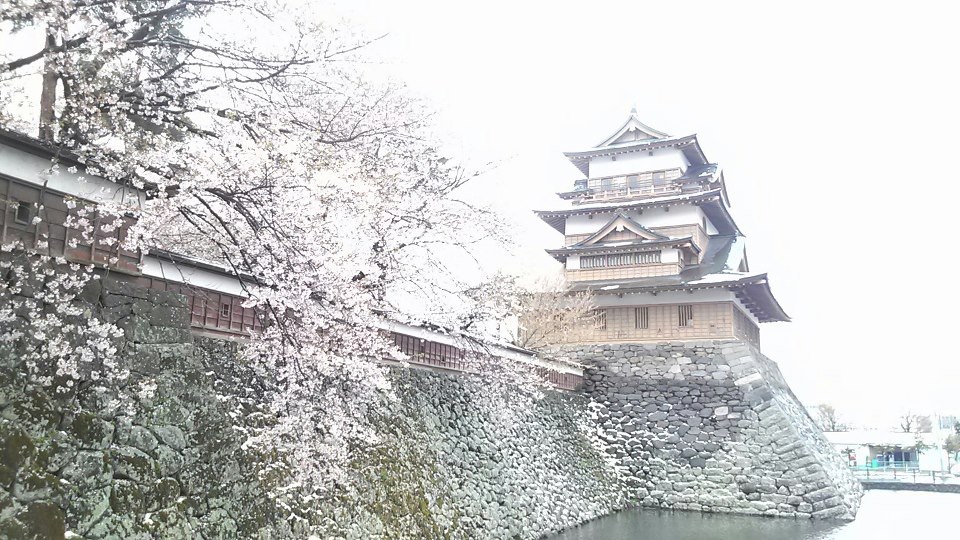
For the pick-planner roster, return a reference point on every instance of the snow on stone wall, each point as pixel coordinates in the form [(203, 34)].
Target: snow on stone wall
[(699, 426), (460, 457), (479, 461), (713, 426)]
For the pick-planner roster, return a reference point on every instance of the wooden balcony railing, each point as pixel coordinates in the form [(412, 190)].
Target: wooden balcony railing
[(594, 195), (648, 184)]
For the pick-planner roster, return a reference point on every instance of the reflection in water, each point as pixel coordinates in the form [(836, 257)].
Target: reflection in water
[(883, 514)]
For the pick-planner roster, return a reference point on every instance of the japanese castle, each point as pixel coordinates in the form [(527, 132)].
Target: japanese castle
[(649, 232)]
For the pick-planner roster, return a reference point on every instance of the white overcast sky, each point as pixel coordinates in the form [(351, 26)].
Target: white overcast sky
[(835, 124)]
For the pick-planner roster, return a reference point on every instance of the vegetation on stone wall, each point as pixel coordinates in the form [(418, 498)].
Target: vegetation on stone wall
[(109, 460)]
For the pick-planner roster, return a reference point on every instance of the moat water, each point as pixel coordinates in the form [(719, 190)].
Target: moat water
[(883, 514)]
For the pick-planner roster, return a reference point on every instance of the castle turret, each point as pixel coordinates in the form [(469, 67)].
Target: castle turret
[(649, 231)]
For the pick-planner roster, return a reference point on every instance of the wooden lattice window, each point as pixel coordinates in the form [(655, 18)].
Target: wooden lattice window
[(22, 215), (685, 315), (619, 259), (641, 317), (600, 319)]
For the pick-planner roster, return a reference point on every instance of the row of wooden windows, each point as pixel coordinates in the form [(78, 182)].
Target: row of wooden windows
[(634, 181), (38, 217), (210, 309), (641, 317), (619, 259)]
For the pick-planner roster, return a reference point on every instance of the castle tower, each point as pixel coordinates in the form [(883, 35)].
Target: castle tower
[(650, 233), (691, 413)]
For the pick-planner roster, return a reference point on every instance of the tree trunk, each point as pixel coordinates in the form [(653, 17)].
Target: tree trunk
[(48, 94)]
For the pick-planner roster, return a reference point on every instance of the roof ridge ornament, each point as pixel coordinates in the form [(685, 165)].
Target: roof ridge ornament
[(633, 125)]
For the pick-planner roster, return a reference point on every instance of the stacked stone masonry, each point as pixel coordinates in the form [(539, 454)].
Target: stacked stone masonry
[(173, 465), (698, 426), (713, 426)]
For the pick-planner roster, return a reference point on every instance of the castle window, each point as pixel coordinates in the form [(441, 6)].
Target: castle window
[(22, 215), (224, 310), (620, 259), (641, 318), (685, 315), (633, 181), (600, 319)]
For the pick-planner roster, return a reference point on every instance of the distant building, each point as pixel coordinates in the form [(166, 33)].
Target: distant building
[(649, 231), (891, 450), (948, 421)]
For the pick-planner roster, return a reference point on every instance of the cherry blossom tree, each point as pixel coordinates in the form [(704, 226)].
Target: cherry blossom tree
[(264, 146), (542, 316)]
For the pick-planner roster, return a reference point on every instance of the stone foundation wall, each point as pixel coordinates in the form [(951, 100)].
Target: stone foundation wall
[(713, 426), (460, 458), (470, 460)]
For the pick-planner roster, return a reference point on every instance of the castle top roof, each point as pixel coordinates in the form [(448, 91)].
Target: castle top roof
[(635, 136), (631, 131)]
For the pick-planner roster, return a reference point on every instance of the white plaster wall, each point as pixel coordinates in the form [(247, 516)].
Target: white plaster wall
[(191, 276), (686, 214), (573, 262), (710, 228), (635, 162), (36, 170)]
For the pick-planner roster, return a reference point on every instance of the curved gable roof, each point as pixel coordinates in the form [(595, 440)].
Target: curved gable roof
[(633, 130), (621, 221)]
